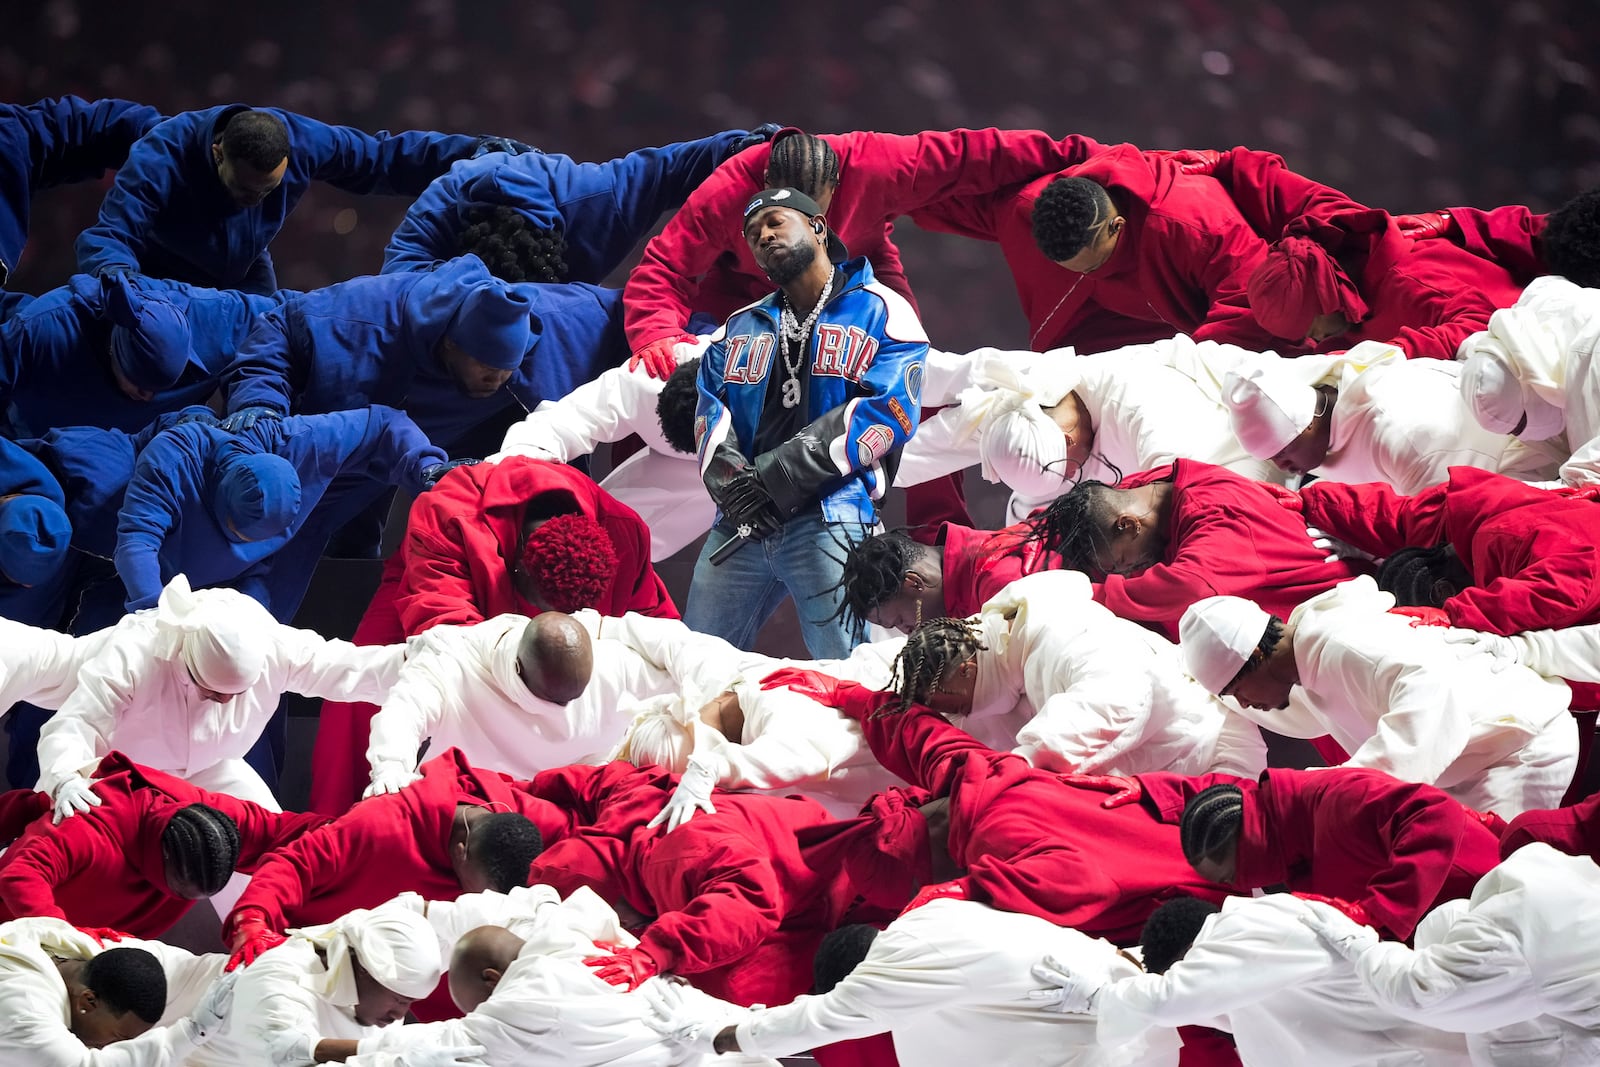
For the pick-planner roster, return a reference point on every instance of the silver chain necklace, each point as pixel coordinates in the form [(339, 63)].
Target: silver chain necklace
[(792, 334)]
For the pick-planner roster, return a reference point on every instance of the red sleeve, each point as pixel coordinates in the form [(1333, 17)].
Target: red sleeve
[(1226, 259), (638, 587), (1444, 296), (287, 878), (1270, 196), (436, 585), (1215, 557), (1055, 880), (977, 217), (734, 901), (921, 748), (659, 295), (1374, 517), (938, 164), (261, 831), (37, 863), (581, 861), (1166, 794), (1508, 236), (1424, 833), (1559, 588)]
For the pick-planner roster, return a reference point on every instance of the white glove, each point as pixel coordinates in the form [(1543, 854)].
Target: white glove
[(1345, 936), (444, 1056), (1507, 651), (677, 1024), (73, 797), (693, 794), (390, 777), (1063, 990), (1335, 548), (210, 1015)]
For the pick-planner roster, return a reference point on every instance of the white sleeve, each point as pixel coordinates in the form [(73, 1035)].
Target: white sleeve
[(272, 1011), (608, 408), (415, 704), (315, 666), (36, 665), (791, 739), (451, 919), (34, 1034), (1571, 653), (1100, 703), (901, 977), (1239, 959), (942, 445), (1474, 979), (696, 661), (1241, 749), (82, 730), (1420, 732), (1582, 469)]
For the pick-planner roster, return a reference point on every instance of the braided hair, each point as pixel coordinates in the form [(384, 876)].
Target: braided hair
[(1212, 821), (1413, 574), (1171, 929), (513, 248), (1075, 524), (802, 161), (873, 571), (929, 651), (201, 846)]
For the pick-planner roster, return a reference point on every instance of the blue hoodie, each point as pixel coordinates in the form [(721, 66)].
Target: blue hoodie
[(604, 209), (372, 341), (166, 525), (54, 356), (41, 604), (55, 142), (169, 215)]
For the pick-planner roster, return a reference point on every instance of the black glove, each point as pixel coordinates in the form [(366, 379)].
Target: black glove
[(507, 145), (798, 472), (434, 471), (737, 490), (760, 135)]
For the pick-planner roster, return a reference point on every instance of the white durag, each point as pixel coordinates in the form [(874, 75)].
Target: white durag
[(394, 945), (222, 643)]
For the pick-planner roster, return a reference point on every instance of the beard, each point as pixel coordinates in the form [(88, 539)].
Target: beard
[(795, 262)]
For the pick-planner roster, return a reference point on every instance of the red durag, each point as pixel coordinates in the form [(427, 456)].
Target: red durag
[(1298, 281)]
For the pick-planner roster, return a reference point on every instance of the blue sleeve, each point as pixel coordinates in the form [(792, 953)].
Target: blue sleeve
[(651, 181), (260, 373), (143, 186), (886, 415), (363, 163), (165, 483), (21, 473), (376, 442), (713, 422), (262, 278), (78, 140), (35, 344)]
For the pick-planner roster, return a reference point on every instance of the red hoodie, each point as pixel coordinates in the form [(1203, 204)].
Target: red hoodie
[(700, 262)]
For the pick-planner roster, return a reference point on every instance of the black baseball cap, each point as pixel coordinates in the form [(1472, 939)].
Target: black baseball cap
[(798, 201)]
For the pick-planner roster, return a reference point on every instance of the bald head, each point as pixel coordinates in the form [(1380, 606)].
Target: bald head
[(555, 657), (478, 962)]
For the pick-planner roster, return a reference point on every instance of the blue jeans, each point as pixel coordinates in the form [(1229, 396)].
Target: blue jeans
[(804, 559)]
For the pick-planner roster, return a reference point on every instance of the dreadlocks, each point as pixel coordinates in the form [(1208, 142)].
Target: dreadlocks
[(804, 162), (929, 651), (513, 248), (873, 572), (1075, 525)]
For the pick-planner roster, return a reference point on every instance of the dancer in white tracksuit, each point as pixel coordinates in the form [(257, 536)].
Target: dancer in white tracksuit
[(188, 686), (1371, 415), (1257, 971), (41, 1011), (1513, 966), (41, 666), (546, 1007), (951, 982), (1397, 697), (1533, 373)]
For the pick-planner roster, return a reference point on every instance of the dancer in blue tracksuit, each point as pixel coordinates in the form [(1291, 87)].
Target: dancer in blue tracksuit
[(397, 339), (56, 142), (540, 217), (204, 193), (805, 398), (222, 508), (117, 352)]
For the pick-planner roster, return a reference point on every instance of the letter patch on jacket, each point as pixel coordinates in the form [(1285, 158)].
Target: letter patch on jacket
[(749, 358), (843, 351)]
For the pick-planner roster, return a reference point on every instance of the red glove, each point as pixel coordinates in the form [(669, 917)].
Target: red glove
[(1197, 160), (251, 937), (953, 890), (102, 934), (1124, 791), (1491, 822), (1427, 224), (851, 699), (657, 357), (625, 967), (1354, 912), (1420, 615)]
